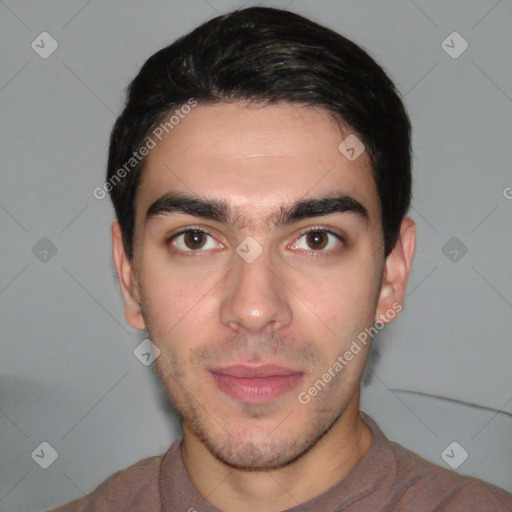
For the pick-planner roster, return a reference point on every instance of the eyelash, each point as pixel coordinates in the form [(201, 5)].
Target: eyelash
[(311, 253)]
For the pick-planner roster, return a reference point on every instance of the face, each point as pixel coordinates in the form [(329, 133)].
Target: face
[(258, 261)]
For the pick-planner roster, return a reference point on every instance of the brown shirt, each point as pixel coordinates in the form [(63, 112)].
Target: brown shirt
[(387, 478)]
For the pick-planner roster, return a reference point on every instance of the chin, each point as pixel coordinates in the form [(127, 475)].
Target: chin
[(256, 449)]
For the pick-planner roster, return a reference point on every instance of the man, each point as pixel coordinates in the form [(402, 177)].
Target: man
[(260, 175)]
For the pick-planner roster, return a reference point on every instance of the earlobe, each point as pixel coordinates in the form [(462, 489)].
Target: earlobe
[(127, 284), (396, 272)]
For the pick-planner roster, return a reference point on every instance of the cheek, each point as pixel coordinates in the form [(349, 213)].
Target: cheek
[(174, 288), (343, 300), (174, 305)]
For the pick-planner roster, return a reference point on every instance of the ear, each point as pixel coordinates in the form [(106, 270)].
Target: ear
[(127, 283), (396, 273)]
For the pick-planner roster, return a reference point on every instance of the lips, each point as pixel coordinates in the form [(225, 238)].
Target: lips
[(256, 383), (255, 372)]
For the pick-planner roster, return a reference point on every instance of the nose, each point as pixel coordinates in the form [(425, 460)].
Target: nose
[(256, 299)]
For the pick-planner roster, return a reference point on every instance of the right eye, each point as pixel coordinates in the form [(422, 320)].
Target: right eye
[(194, 240)]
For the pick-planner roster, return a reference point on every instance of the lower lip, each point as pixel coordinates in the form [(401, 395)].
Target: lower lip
[(256, 390)]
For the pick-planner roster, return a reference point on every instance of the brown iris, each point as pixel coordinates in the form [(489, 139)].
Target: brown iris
[(317, 239), (194, 239)]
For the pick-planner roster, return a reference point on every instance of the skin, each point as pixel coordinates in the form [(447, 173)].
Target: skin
[(297, 305)]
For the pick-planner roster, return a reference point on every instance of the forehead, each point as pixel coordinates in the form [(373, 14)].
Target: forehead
[(255, 157)]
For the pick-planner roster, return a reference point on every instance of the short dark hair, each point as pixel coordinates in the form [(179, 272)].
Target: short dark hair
[(270, 56)]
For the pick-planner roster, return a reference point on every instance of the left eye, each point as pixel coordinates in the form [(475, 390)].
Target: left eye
[(317, 240)]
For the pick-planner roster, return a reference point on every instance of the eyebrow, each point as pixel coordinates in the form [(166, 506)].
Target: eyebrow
[(222, 212)]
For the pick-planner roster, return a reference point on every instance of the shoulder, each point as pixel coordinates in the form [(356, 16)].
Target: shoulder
[(135, 487), (421, 482)]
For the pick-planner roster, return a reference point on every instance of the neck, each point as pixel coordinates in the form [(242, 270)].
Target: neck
[(320, 468)]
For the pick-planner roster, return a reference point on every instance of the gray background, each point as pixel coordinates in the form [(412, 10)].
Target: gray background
[(68, 373)]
